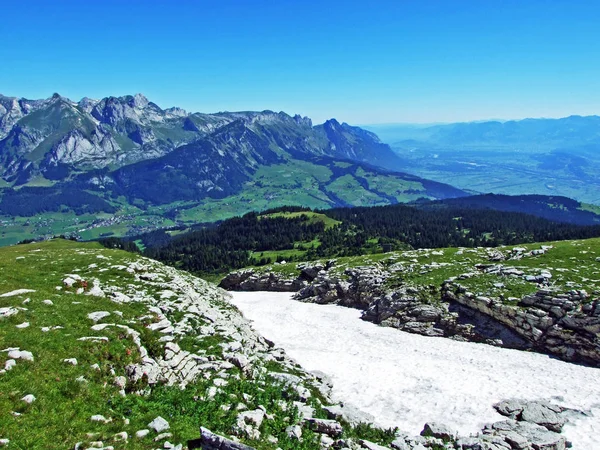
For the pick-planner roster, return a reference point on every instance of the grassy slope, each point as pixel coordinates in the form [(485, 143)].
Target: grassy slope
[(317, 184), (299, 250), (313, 217), (60, 416)]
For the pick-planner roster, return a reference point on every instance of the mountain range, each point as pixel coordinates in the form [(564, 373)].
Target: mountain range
[(146, 167)]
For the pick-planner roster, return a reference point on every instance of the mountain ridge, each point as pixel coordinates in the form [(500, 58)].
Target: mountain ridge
[(150, 167), (36, 136)]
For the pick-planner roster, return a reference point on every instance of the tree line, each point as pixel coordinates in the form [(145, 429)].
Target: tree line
[(229, 245)]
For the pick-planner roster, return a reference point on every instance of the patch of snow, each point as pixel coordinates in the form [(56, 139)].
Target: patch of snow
[(406, 380)]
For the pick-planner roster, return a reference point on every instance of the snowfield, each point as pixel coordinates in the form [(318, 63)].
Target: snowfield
[(406, 380)]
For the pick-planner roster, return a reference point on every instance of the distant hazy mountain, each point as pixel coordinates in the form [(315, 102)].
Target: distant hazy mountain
[(531, 156), (555, 208), (542, 133)]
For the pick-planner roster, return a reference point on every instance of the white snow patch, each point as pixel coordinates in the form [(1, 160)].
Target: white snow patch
[(406, 380)]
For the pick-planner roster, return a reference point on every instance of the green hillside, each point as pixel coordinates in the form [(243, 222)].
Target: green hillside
[(95, 344)]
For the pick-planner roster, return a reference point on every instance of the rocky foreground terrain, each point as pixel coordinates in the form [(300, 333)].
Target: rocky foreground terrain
[(105, 349), (532, 297)]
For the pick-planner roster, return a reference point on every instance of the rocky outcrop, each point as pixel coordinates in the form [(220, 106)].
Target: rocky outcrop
[(358, 288), (249, 280), (212, 441), (97, 149), (564, 324), (540, 413)]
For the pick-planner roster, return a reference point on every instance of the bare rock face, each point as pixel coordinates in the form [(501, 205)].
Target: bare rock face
[(212, 441), (564, 324), (362, 287), (525, 435), (249, 280), (10, 112), (438, 431), (97, 150), (540, 413), (325, 426)]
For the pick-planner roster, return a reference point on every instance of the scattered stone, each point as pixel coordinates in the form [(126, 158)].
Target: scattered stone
[(72, 361), (94, 338), (211, 441), (8, 311), (159, 425), (121, 382), (294, 432), (438, 431), (98, 315), (29, 398), (142, 433), (122, 436), (401, 444), (539, 437), (20, 354), (22, 325), (99, 418), (4, 442), (9, 364), (248, 423), (328, 427), (48, 302), (17, 292), (69, 282), (541, 414), (162, 436), (95, 291), (371, 445)]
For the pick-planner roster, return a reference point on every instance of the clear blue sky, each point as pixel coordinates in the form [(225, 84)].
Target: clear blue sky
[(361, 62)]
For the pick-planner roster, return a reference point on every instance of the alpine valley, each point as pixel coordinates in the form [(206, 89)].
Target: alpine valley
[(122, 165)]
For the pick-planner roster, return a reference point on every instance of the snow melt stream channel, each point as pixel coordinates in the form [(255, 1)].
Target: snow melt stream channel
[(406, 380)]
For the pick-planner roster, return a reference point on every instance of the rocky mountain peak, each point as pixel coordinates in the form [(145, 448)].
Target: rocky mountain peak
[(127, 129), (11, 110), (175, 112), (305, 121), (87, 104), (332, 124), (140, 101), (136, 108)]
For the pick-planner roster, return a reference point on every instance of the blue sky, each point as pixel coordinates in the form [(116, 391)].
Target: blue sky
[(361, 62)]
